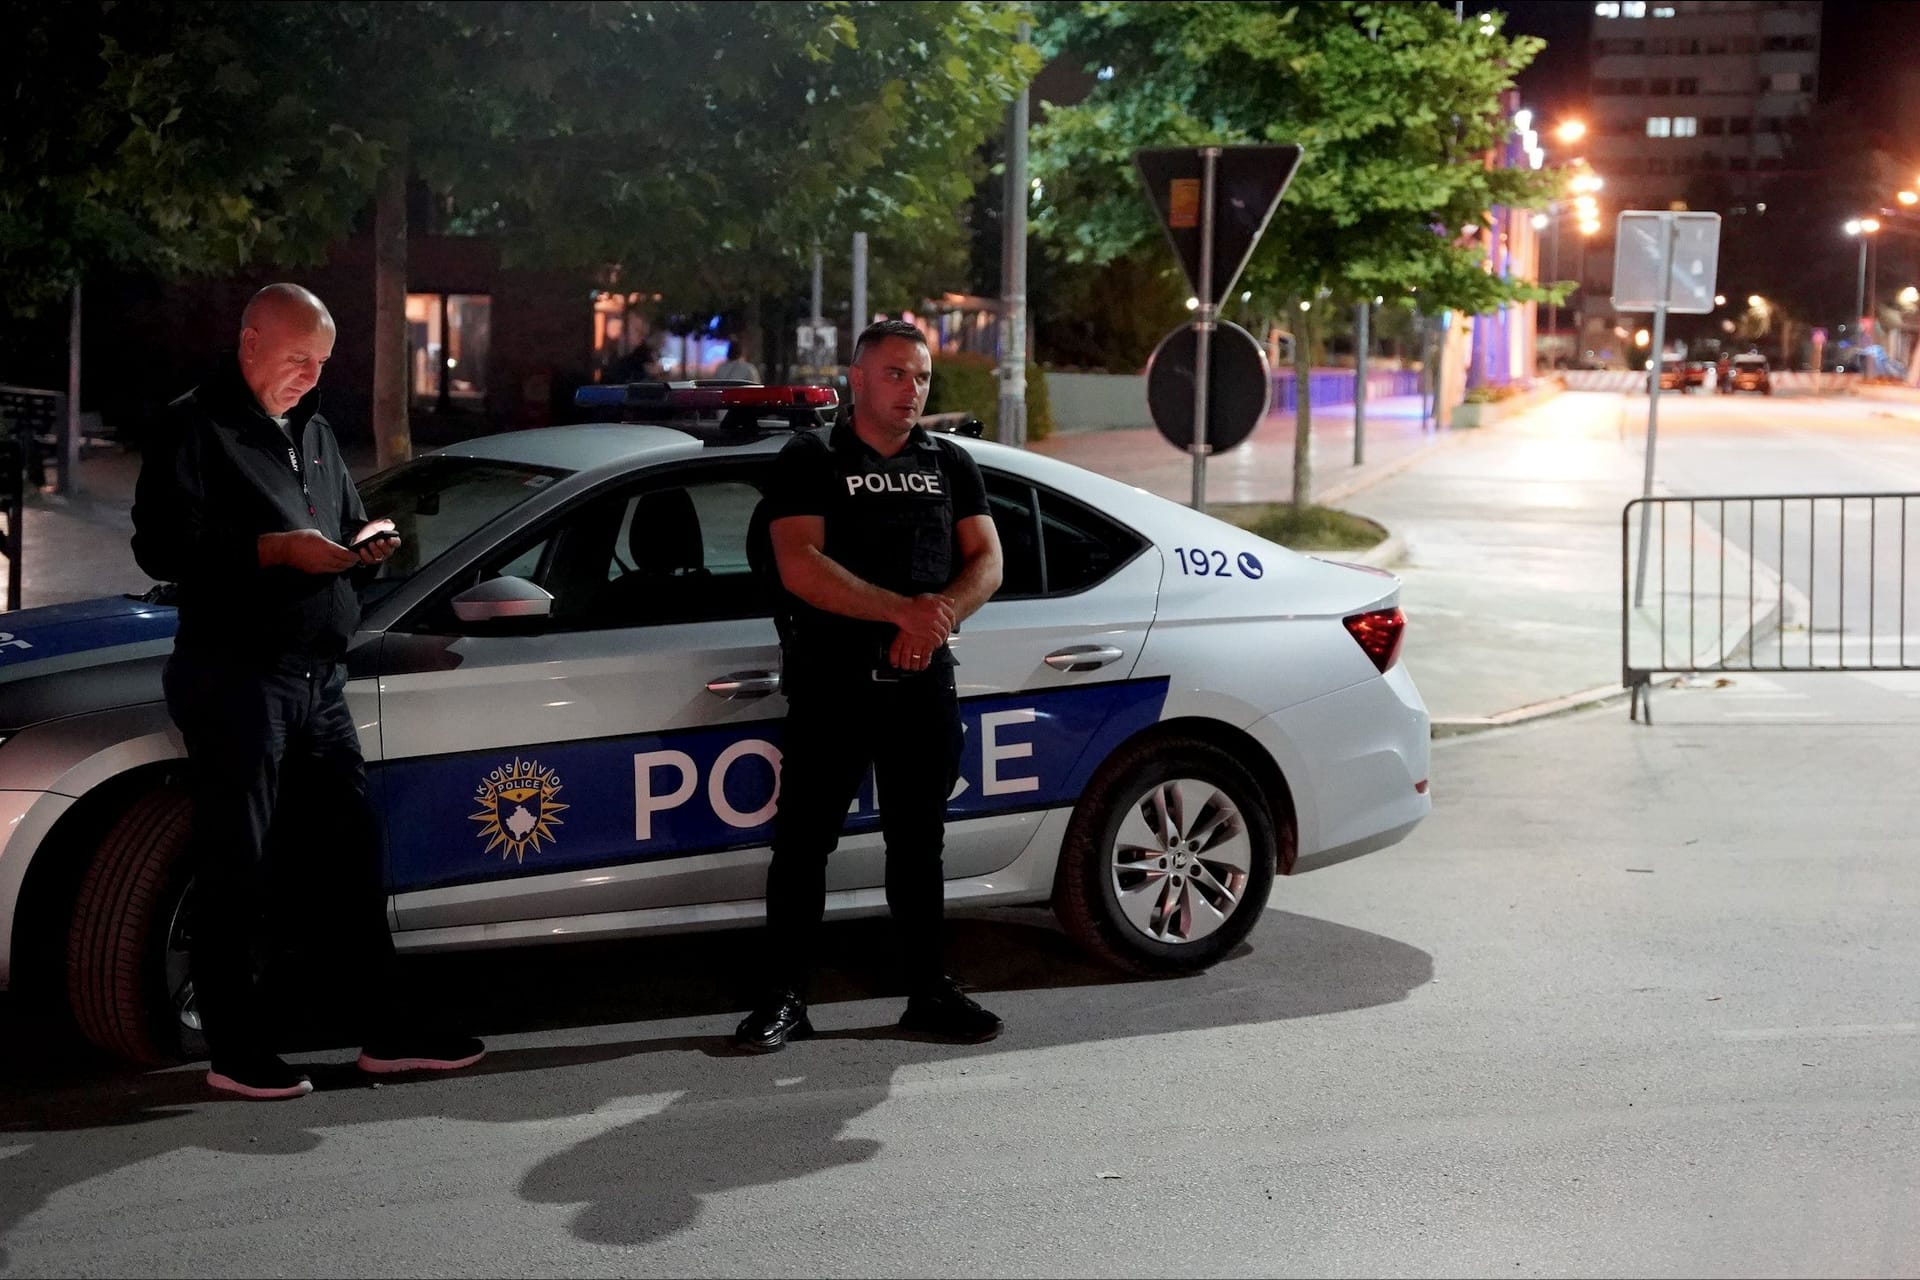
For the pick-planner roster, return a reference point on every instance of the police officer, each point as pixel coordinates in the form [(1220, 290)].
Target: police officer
[(883, 543), (244, 502)]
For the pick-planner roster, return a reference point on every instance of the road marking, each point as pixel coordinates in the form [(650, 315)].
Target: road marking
[(1851, 1031), (1779, 715)]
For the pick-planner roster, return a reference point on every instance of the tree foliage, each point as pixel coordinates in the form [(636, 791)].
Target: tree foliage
[(708, 147), (703, 146), (162, 139), (1395, 104)]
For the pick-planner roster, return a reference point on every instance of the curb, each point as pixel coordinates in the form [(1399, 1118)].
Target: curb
[(1457, 726), (1384, 554)]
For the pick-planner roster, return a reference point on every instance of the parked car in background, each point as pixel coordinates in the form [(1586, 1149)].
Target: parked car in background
[(1681, 375), (1749, 373)]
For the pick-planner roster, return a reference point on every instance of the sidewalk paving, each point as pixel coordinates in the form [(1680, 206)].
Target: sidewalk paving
[(1509, 534), (1510, 567)]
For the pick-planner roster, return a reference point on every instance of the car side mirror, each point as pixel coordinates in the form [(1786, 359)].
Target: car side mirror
[(502, 598)]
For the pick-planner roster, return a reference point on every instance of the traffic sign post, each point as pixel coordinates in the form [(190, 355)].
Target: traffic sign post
[(1663, 261), (1212, 237)]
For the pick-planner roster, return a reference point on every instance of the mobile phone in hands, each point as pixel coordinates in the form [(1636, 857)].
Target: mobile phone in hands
[(378, 535)]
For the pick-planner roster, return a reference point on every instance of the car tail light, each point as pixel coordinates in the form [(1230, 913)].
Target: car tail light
[(1378, 632)]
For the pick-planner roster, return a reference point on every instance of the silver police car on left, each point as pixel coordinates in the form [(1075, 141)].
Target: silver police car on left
[(567, 688)]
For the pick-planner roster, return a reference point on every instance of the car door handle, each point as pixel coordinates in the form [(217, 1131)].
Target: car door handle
[(745, 684), (1083, 657)]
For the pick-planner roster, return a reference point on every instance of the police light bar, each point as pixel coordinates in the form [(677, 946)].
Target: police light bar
[(668, 395)]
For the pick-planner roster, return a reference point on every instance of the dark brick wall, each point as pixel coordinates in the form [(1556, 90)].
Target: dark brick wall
[(145, 343)]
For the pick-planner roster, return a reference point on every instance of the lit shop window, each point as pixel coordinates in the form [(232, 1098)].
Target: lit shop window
[(1659, 126), (447, 339)]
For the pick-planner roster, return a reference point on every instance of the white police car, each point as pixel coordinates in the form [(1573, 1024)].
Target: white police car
[(567, 685)]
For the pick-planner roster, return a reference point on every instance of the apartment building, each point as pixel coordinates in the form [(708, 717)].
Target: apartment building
[(1680, 88)]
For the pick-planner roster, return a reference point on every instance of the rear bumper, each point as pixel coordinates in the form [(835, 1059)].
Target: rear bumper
[(1363, 785)]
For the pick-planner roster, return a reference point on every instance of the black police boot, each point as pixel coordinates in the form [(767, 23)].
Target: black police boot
[(939, 1009), (781, 1017)]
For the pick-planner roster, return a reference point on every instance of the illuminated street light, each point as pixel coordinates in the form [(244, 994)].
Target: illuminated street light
[(1570, 130), (1193, 304), (1540, 221), (1757, 302), (1861, 228), (1641, 338), (1719, 299), (1908, 296), (1908, 197)]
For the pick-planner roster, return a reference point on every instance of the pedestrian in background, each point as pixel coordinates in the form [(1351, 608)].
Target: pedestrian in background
[(883, 544), (735, 368), (244, 502)]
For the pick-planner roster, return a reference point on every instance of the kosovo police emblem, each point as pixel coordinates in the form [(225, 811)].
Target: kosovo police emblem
[(517, 808)]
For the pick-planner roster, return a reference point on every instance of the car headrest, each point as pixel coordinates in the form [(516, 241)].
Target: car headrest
[(664, 538)]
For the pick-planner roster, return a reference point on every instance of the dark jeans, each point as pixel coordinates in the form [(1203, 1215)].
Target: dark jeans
[(909, 731), (256, 741)]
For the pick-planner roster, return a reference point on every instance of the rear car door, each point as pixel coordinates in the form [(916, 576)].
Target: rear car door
[(1045, 667)]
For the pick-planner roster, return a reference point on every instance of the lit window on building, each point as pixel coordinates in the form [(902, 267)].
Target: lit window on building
[(1663, 11), (1659, 126), (447, 339), (1685, 126), (1606, 9), (1633, 8)]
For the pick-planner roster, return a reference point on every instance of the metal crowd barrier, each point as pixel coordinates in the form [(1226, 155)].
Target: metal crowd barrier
[(1716, 580)]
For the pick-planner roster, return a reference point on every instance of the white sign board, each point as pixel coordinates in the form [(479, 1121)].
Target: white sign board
[(1640, 247), (816, 345)]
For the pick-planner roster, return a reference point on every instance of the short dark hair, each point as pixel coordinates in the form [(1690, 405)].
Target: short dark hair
[(881, 330)]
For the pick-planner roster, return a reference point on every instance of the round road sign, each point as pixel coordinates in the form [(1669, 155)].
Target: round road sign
[(1239, 389)]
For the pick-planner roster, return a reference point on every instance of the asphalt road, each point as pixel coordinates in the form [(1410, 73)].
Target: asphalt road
[(1635, 1001)]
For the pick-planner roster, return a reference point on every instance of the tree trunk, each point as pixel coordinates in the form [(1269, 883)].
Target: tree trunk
[(752, 336), (1303, 413), (392, 432)]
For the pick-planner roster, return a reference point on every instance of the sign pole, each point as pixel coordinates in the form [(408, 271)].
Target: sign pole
[(1669, 233), (1206, 314), (1360, 345)]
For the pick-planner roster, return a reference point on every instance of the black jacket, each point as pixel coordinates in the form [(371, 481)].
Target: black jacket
[(216, 473)]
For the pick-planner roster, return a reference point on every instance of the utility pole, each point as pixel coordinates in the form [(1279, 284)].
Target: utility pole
[(816, 285), (1361, 314), (858, 320), (1013, 277)]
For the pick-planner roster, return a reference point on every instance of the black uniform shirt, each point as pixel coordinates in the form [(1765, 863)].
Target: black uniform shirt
[(218, 473), (889, 521)]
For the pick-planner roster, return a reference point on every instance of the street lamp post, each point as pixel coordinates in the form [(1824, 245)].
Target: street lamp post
[(1860, 229)]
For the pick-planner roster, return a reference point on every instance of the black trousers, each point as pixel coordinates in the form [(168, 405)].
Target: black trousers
[(909, 731), (257, 742)]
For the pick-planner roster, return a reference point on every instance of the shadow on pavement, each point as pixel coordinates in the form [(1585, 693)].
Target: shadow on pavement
[(730, 1120)]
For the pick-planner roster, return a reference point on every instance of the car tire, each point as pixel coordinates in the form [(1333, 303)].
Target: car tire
[(1149, 915), (126, 951)]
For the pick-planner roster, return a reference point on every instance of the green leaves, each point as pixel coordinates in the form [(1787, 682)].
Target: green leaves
[(1394, 104), (703, 147)]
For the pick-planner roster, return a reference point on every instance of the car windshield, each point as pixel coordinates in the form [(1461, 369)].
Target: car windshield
[(437, 501)]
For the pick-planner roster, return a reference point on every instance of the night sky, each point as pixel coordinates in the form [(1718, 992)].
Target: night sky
[(1862, 41)]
